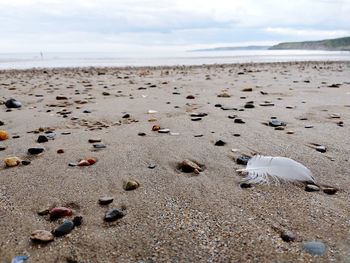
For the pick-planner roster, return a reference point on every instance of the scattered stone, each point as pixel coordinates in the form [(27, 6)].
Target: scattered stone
[(288, 236), (83, 163), (224, 95), (152, 166), (72, 164), (12, 161), (238, 120), (25, 162), (19, 259), (330, 190), (220, 143), (2, 148), (218, 105), (99, 146), (196, 119), (105, 200), (201, 114), (2, 123), (248, 89), (245, 185), (126, 116), (279, 128), (243, 159), (42, 139), (35, 150), (59, 212), (228, 108), (321, 148), (41, 236), (77, 220), (315, 248), (163, 130), (308, 126), (198, 135), (105, 93), (61, 97), (249, 105), (141, 134), (188, 166), (130, 185), (276, 123), (3, 135), (65, 228), (113, 215), (152, 111), (334, 86), (290, 132), (95, 140), (155, 128), (311, 188), (13, 104), (60, 151), (44, 211), (266, 104), (190, 97)]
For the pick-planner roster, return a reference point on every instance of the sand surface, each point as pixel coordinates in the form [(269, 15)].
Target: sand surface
[(174, 216)]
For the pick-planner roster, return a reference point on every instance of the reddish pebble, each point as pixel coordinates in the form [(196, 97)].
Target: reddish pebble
[(91, 161), (58, 212), (83, 163)]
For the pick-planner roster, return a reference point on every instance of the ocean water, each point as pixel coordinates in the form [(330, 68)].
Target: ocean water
[(133, 59)]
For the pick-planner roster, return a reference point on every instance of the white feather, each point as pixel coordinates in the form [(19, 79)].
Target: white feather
[(267, 169)]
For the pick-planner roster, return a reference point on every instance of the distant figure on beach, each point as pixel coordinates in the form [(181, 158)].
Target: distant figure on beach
[(41, 55)]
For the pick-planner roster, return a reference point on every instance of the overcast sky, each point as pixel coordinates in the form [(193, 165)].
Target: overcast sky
[(117, 25)]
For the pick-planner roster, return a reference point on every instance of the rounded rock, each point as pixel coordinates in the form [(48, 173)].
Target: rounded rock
[(3, 135), (13, 103), (315, 248), (12, 161), (65, 228), (113, 215), (35, 150), (105, 200), (41, 236), (58, 212), (131, 185), (311, 188)]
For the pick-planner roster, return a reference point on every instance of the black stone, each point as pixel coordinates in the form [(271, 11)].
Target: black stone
[(42, 139), (276, 123), (218, 105), (26, 162), (243, 159), (65, 228), (220, 143), (239, 121), (196, 119), (141, 134), (99, 145), (245, 185), (126, 116), (77, 221), (2, 123), (113, 215), (152, 166), (13, 104), (35, 150)]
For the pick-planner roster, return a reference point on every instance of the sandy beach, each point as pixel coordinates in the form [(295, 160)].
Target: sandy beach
[(175, 216)]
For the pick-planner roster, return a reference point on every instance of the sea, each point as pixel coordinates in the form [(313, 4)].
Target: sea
[(178, 58)]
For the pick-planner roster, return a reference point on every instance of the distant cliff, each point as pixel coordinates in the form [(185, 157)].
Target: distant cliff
[(232, 48), (341, 44)]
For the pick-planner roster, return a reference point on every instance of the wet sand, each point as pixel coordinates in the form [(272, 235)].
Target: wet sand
[(175, 216)]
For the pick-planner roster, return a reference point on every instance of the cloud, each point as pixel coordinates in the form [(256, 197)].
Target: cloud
[(56, 25)]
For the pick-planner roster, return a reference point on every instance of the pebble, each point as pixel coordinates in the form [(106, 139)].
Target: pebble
[(2, 123), (3, 135), (290, 132), (190, 97), (126, 116), (279, 128), (224, 95), (308, 126), (25, 162), (19, 259), (35, 150), (266, 104), (311, 188), (60, 151), (41, 236), (288, 236), (105, 200), (163, 130), (131, 185), (113, 215), (238, 120), (99, 146), (201, 114), (141, 134), (59, 212), (12, 161), (243, 159), (77, 221), (151, 111), (72, 164), (61, 97), (83, 163), (321, 148), (188, 166), (245, 185), (247, 89), (44, 211), (249, 105), (2, 148), (276, 123), (13, 103), (315, 248), (152, 166), (330, 190), (65, 228), (196, 119), (42, 139), (155, 128), (95, 140), (220, 143)]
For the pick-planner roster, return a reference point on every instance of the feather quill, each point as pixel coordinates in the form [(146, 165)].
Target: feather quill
[(266, 170)]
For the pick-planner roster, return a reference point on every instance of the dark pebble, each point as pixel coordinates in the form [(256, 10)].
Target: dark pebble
[(25, 162), (236, 135), (196, 119), (141, 134), (237, 120), (220, 143), (42, 139), (276, 123), (308, 126), (35, 150), (12, 103), (152, 166), (77, 221), (126, 116), (99, 146), (288, 236), (105, 200), (113, 215), (86, 111), (61, 98), (311, 188), (243, 159), (330, 190), (321, 148), (65, 228), (249, 105), (218, 105), (245, 185), (2, 123)]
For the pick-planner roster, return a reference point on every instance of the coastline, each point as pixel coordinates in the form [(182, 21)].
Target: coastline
[(174, 216)]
